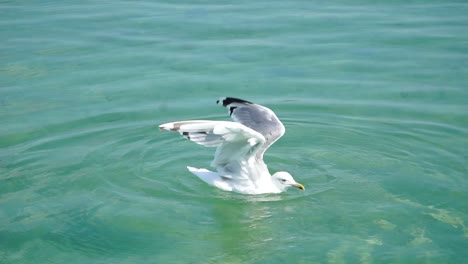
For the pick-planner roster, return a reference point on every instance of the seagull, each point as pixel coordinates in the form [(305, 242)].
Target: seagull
[(240, 146)]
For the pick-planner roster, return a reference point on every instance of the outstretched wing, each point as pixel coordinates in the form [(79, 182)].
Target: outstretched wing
[(256, 117), (235, 143)]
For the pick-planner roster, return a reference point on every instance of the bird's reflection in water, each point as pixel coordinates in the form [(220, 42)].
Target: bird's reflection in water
[(245, 227)]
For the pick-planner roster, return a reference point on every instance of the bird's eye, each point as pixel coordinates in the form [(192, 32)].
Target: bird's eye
[(283, 180)]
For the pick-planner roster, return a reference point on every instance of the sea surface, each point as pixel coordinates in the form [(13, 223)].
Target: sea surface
[(373, 95)]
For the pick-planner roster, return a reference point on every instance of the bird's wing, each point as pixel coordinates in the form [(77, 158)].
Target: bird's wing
[(235, 143), (256, 117)]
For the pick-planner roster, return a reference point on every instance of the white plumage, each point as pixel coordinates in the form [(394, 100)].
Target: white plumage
[(240, 147)]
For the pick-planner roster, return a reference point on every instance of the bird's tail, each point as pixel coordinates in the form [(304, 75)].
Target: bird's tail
[(210, 177)]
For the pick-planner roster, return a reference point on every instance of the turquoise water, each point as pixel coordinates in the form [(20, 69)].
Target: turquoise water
[(373, 96)]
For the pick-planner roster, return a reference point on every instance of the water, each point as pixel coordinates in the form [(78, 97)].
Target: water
[(373, 96)]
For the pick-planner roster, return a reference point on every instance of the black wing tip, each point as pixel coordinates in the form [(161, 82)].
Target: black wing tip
[(229, 100)]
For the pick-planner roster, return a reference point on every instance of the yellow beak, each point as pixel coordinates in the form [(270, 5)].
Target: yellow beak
[(299, 186)]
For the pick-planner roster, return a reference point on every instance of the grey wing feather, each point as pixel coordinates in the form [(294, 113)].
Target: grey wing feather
[(256, 117), (235, 142)]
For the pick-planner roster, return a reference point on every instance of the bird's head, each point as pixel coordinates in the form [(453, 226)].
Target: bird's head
[(284, 180)]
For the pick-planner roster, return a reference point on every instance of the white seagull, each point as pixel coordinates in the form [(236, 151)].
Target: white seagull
[(239, 148)]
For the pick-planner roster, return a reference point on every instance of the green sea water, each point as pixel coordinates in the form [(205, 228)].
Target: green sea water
[(373, 95)]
